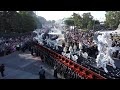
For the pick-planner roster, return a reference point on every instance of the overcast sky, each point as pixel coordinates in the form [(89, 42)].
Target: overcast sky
[(56, 15)]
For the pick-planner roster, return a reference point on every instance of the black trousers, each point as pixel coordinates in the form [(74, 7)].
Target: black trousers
[(2, 73), (17, 48), (41, 76), (23, 49), (55, 74), (1, 53)]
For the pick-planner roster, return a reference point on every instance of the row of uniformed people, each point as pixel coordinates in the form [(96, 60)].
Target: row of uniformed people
[(66, 72), (44, 56), (62, 71), (61, 68)]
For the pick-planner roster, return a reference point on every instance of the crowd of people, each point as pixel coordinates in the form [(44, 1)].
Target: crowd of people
[(12, 44), (116, 45), (75, 37), (9, 45)]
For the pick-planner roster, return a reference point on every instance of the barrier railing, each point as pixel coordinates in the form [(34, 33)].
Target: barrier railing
[(79, 70)]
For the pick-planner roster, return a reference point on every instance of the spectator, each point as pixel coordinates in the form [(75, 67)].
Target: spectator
[(9, 45)]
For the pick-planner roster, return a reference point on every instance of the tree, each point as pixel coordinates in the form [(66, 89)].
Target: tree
[(18, 21), (77, 20), (9, 21), (53, 21), (28, 21), (112, 19), (69, 21), (42, 20), (14, 21), (96, 21), (87, 18), (39, 24), (84, 22), (90, 25), (22, 21)]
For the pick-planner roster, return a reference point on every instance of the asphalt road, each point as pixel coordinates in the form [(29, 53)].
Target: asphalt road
[(24, 66)]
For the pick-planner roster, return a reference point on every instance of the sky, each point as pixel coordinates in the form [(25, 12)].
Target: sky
[(56, 15)]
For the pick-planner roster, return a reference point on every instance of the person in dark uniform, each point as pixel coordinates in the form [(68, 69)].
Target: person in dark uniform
[(32, 51), (23, 48), (92, 52), (2, 69), (60, 49), (17, 47), (37, 52), (41, 73), (55, 72), (80, 59), (0, 52)]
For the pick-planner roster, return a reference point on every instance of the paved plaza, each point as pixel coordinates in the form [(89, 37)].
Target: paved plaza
[(24, 66)]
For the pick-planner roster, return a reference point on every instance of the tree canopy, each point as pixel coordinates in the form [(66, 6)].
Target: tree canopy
[(22, 21), (69, 21), (85, 21), (112, 19)]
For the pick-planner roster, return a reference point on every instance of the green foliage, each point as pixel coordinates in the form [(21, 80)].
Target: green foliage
[(9, 21), (28, 22), (85, 22), (42, 19), (77, 20), (22, 21), (90, 25), (112, 19), (87, 19), (69, 22)]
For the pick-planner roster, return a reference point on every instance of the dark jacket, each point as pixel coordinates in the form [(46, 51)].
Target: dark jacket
[(42, 74)]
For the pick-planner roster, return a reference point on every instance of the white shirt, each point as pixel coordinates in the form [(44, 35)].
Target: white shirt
[(75, 57), (85, 55)]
